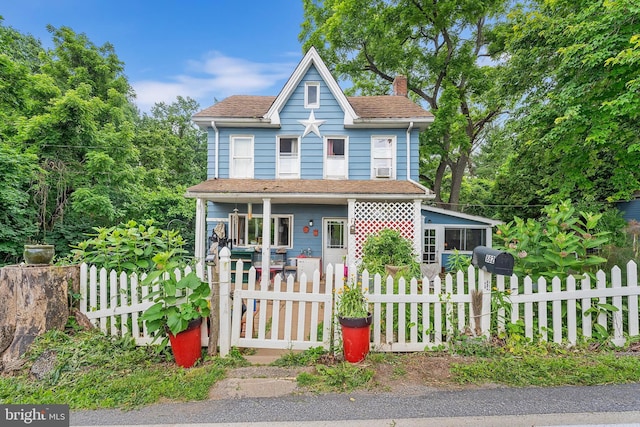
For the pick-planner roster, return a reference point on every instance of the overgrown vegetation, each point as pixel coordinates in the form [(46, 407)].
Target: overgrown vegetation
[(94, 371), (129, 247), (564, 242), (341, 377), (76, 154)]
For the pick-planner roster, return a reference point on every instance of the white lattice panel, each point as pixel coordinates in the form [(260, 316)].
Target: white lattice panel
[(371, 217)]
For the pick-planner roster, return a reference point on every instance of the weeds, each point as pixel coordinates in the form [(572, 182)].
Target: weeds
[(343, 377), (305, 358), (94, 371)]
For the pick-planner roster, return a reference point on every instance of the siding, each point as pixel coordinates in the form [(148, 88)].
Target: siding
[(311, 148), (438, 218)]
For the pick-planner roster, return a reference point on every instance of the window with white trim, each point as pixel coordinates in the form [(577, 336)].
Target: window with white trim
[(248, 232), (383, 151), (241, 157), (288, 165), (312, 95), (335, 159)]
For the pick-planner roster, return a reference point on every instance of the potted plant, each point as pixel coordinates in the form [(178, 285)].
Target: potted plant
[(179, 305), (355, 321)]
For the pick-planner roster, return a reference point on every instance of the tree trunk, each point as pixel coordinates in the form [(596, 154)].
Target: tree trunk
[(457, 173), (33, 300)]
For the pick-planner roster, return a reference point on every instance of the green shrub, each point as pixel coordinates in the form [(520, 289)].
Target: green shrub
[(564, 242), (388, 247), (129, 247)]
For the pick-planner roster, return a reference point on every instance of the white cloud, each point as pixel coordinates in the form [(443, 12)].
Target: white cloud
[(216, 75)]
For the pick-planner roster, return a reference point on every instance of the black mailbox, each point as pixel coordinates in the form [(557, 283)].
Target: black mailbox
[(493, 260)]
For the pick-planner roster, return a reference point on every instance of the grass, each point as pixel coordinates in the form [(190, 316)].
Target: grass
[(93, 371), (576, 369)]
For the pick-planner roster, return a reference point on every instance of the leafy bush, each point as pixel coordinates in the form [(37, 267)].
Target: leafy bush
[(563, 242), (388, 247), (177, 301), (129, 247)]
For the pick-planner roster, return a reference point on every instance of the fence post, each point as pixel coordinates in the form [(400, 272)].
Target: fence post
[(225, 301), (214, 317), (484, 285)]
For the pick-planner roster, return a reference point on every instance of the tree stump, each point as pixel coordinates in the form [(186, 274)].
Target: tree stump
[(33, 300)]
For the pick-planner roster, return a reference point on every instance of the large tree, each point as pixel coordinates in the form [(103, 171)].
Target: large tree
[(440, 45), (74, 153), (573, 68)]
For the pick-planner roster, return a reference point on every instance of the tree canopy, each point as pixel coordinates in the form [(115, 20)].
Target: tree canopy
[(574, 70), (440, 45), (75, 153)]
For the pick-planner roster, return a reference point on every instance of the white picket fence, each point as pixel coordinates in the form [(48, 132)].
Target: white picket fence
[(115, 301), (415, 315)]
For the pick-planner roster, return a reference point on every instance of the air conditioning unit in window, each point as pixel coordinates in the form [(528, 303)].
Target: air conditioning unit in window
[(383, 172)]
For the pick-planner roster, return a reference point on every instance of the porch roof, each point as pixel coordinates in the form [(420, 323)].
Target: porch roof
[(317, 191)]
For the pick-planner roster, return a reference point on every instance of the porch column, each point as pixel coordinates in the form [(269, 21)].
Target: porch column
[(201, 235), (417, 224), (266, 243), (351, 238)]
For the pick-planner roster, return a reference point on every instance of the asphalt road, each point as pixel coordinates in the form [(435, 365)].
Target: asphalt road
[(499, 406)]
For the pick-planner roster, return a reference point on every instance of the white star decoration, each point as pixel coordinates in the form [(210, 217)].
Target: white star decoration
[(311, 125)]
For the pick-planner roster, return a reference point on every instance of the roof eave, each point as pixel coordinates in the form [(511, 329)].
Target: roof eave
[(303, 197), (204, 122), (418, 122)]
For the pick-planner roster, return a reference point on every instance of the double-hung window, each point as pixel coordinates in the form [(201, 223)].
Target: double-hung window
[(312, 95), (288, 157), (335, 160), (383, 152), (241, 157)]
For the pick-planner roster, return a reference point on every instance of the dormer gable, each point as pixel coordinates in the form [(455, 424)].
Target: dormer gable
[(311, 58)]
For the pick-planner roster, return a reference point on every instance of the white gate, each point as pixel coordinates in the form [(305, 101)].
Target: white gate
[(291, 316)]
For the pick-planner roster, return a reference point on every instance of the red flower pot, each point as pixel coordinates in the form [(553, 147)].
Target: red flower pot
[(355, 337), (186, 346)]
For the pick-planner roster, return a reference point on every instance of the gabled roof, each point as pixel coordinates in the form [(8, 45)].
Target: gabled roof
[(311, 58), (264, 111)]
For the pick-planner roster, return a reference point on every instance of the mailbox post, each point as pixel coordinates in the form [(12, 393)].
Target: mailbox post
[(491, 261)]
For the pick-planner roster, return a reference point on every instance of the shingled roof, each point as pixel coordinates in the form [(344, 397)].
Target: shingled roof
[(366, 107), (318, 188)]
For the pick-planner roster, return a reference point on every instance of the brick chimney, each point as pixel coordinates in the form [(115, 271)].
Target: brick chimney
[(400, 86)]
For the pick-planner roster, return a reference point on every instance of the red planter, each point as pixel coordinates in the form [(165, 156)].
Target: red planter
[(355, 337), (186, 346)]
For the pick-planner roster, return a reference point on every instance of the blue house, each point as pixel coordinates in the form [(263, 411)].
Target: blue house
[(299, 180)]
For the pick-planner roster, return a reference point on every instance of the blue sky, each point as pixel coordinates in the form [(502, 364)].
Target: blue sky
[(201, 49)]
